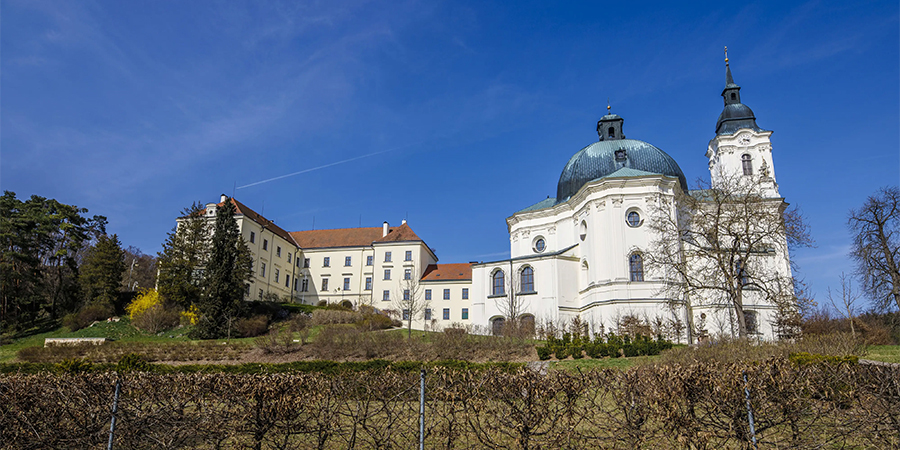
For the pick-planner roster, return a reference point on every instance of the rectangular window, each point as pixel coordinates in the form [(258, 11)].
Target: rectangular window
[(326, 262), (368, 283), (407, 274), (262, 270), (304, 285), (387, 256), (252, 237), (297, 262), (446, 294), (465, 314), (251, 266), (265, 244), (427, 313), (289, 258), (427, 294), (295, 283), (387, 274), (369, 260), (406, 294), (306, 263), (408, 255), (287, 279), (465, 294), (346, 283), (386, 296), (277, 272), (324, 284), (278, 251), (446, 313), (405, 314), (260, 294), (347, 261)]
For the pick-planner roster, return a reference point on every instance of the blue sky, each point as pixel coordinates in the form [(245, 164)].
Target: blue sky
[(451, 114)]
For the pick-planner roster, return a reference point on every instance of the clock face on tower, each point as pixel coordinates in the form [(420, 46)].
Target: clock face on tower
[(745, 139)]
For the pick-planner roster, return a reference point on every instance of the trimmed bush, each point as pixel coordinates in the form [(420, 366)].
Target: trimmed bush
[(252, 327)]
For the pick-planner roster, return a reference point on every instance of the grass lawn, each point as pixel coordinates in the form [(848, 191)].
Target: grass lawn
[(605, 363), (884, 353)]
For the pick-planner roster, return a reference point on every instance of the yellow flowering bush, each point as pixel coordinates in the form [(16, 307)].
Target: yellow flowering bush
[(147, 299), (191, 315)]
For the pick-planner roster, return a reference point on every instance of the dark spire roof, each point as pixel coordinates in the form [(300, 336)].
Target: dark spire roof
[(735, 115)]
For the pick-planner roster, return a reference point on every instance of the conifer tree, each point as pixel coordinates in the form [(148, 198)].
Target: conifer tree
[(225, 278), (101, 272), (182, 259)]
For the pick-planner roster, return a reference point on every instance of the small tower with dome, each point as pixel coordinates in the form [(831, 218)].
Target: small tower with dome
[(740, 149)]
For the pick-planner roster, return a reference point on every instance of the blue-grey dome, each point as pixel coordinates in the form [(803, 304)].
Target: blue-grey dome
[(603, 158), (734, 117)]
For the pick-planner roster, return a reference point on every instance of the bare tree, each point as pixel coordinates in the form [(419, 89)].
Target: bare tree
[(847, 301), (513, 304), (876, 245), (720, 243), (410, 302)]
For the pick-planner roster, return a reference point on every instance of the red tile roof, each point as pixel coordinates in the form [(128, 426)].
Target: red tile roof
[(341, 237), (451, 272), (400, 234), (244, 210)]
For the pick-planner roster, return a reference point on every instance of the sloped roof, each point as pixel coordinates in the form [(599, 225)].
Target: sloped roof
[(448, 272), (402, 233), (339, 237), (245, 211)]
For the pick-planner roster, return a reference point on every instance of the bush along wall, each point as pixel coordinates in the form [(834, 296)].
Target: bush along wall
[(611, 345)]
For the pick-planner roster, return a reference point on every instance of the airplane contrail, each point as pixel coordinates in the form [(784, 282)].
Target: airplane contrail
[(320, 167)]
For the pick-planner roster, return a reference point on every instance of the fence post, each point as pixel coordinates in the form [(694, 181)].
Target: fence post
[(750, 412), (422, 410), (115, 408)]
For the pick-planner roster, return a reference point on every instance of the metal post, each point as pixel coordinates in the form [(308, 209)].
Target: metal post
[(112, 424), (422, 410), (750, 413)]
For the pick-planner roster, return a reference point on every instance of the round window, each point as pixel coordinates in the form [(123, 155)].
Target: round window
[(539, 245), (633, 219)]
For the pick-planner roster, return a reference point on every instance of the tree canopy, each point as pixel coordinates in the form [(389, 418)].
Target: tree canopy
[(876, 245)]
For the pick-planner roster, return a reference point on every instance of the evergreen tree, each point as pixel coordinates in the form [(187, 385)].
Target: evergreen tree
[(225, 277), (101, 272), (183, 257)]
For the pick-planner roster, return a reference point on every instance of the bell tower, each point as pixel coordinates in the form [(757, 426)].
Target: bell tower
[(741, 149)]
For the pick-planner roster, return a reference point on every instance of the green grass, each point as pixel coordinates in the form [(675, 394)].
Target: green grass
[(884, 353), (605, 363)]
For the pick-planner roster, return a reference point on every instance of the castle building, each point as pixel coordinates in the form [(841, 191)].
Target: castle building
[(582, 253)]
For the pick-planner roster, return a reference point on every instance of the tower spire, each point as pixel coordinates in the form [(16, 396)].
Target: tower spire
[(729, 80)]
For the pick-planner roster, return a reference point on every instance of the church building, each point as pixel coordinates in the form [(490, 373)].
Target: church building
[(582, 253)]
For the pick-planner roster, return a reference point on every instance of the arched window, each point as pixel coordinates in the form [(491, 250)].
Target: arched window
[(497, 326), (498, 283), (636, 267), (527, 280), (612, 132), (747, 164)]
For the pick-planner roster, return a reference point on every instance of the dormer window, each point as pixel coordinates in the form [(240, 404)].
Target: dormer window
[(747, 164)]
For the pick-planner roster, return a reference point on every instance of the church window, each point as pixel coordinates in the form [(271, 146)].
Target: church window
[(636, 267), (612, 132), (527, 280), (633, 219), (497, 326), (539, 245), (583, 228), (498, 283), (747, 164)]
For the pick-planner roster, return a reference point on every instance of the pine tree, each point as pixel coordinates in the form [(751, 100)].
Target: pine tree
[(225, 278), (101, 272), (183, 257)]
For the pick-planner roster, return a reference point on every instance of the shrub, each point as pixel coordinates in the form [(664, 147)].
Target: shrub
[(191, 316), (74, 366), (132, 362), (87, 315), (543, 352), (253, 326), (347, 304), (334, 316), (278, 342), (156, 318), (146, 299), (371, 322), (322, 303)]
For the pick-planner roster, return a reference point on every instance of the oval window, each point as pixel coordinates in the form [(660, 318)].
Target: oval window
[(539, 245), (633, 219), (583, 230)]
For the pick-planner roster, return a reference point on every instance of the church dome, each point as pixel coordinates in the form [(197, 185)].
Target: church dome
[(629, 157)]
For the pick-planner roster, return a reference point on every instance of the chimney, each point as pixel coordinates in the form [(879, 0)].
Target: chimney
[(222, 198), (384, 229), (403, 222)]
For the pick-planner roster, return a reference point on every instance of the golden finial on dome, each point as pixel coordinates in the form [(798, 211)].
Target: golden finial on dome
[(607, 105), (726, 54)]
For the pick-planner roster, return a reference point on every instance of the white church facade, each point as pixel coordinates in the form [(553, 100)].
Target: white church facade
[(581, 254)]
